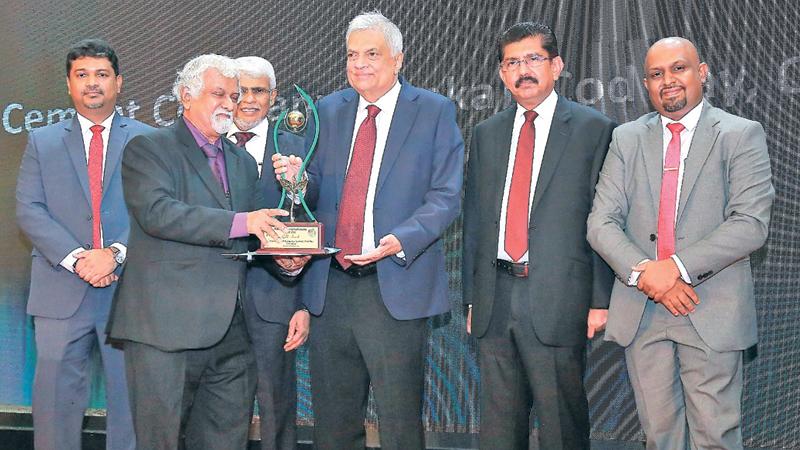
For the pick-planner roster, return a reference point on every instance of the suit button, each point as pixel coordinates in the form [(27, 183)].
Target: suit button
[(87, 246), (89, 218), (494, 263), (652, 237)]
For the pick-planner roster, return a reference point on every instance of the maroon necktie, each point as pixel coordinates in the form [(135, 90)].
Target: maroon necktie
[(350, 226), (242, 137), (669, 194), (516, 237), (95, 168), (217, 163)]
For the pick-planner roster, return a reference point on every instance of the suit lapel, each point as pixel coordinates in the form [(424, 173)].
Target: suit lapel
[(199, 161), (347, 111), (653, 155), (238, 190), (705, 135), (405, 113), (117, 137), (499, 158), (73, 141), (557, 139)]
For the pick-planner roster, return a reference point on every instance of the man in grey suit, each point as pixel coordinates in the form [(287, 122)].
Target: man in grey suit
[(70, 205), (683, 199), (190, 366), (534, 287), (276, 319)]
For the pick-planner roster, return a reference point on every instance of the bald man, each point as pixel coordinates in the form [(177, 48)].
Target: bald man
[(684, 197)]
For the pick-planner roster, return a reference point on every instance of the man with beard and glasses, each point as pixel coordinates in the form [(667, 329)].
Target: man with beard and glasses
[(190, 367), (276, 319), (684, 197), (534, 288), (70, 205)]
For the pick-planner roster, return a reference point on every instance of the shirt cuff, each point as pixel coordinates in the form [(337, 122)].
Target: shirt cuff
[(69, 261), (239, 226), (123, 250), (401, 254), (633, 279), (292, 273), (682, 269)]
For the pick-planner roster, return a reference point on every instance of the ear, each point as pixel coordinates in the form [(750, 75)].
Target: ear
[(273, 96), (398, 62), (119, 84), (185, 97), (556, 66), (703, 69)]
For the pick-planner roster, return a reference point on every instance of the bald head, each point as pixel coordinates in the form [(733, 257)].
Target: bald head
[(674, 76)]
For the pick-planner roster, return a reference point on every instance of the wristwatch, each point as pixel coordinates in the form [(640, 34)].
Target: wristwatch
[(118, 256)]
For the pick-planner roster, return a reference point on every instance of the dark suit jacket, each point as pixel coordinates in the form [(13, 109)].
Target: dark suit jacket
[(177, 292), (54, 209), (566, 277), (275, 297), (418, 196)]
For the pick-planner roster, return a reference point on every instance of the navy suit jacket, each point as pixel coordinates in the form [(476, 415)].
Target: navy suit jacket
[(418, 196), (275, 298), (54, 209)]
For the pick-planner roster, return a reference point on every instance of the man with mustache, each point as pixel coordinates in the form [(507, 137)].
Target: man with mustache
[(190, 366), (684, 197), (533, 287), (276, 319), (70, 205)]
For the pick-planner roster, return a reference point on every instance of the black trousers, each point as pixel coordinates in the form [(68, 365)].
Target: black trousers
[(193, 399), (518, 372), (354, 342)]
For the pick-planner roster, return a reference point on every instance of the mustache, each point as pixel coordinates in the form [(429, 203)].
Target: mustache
[(92, 91), (532, 79), (664, 88)]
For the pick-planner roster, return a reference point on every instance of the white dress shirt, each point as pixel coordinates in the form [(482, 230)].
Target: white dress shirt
[(689, 122), (383, 121), (69, 261), (257, 145), (542, 123)]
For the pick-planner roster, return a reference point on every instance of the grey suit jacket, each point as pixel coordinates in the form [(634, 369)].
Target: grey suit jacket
[(54, 209), (723, 216), (177, 292), (566, 277)]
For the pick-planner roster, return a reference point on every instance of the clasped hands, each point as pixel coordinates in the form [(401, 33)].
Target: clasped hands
[(661, 281), (96, 267)]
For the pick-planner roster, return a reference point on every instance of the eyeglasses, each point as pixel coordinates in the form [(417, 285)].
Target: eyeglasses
[(257, 91), (532, 61)]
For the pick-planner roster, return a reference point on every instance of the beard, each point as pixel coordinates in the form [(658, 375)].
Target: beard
[(221, 124), (675, 105), (245, 125), (95, 103)]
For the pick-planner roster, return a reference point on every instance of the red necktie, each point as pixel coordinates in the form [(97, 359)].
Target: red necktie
[(516, 233), (350, 226), (669, 193), (242, 137), (96, 181)]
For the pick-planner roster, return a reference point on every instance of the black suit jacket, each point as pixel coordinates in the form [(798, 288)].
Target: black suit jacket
[(274, 296), (177, 291), (566, 276)]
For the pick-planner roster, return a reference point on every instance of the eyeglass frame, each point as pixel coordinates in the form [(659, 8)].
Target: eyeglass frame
[(531, 61)]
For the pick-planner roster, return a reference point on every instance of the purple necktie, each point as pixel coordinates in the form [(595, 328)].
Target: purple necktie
[(216, 161)]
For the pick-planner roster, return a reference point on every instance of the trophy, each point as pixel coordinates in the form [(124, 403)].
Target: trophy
[(300, 238)]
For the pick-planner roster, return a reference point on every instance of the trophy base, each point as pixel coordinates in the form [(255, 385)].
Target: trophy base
[(296, 251), (299, 238)]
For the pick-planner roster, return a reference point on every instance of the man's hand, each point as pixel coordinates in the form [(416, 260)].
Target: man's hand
[(292, 263), (264, 221), (388, 245), (106, 281), (298, 330), (469, 320), (289, 165), (596, 322), (94, 265), (681, 299), (657, 277)]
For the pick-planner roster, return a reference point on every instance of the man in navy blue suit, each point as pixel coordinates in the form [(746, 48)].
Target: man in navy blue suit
[(276, 319), (70, 205), (386, 183)]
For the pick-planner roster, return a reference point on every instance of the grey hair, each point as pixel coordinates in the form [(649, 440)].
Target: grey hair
[(191, 76), (257, 67), (377, 21)]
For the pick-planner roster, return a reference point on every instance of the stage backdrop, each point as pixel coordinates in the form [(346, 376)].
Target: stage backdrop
[(750, 46)]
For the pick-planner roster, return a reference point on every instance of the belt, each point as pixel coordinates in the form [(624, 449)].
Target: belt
[(355, 270), (519, 270)]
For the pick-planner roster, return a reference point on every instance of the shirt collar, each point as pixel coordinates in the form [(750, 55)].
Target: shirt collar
[(689, 120), (259, 130), (199, 137), (86, 124), (545, 109), (386, 102)]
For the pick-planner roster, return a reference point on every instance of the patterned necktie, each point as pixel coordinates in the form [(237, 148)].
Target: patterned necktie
[(669, 193), (217, 163), (243, 137), (350, 226), (516, 233), (95, 168)]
